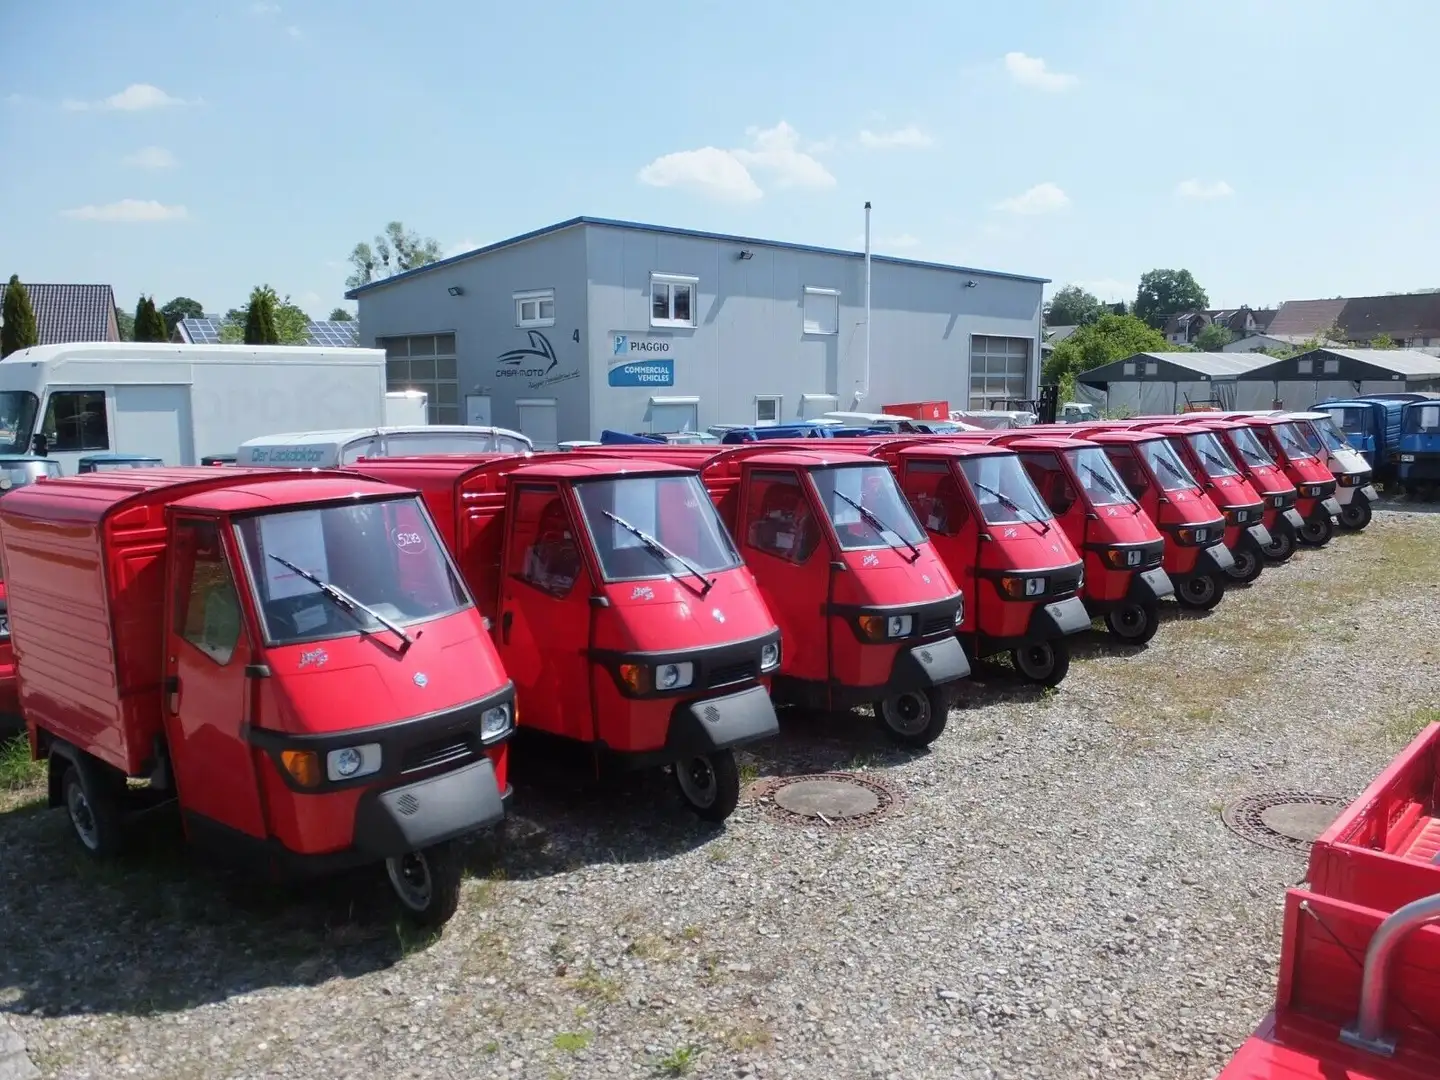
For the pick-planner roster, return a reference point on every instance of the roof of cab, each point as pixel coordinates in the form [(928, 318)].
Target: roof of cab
[(1128, 435), (954, 448), (559, 466), (807, 458), (1046, 442), (90, 497)]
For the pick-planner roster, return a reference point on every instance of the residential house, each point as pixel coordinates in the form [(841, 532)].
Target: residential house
[(1184, 327), (66, 314), (1410, 320)]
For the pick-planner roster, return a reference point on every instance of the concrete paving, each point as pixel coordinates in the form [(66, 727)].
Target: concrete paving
[(15, 1063)]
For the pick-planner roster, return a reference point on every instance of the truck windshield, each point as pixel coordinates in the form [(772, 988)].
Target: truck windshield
[(1350, 419), (1214, 458), (17, 420), (1291, 441), (1102, 484), (1422, 420), (1166, 466), (866, 507), (1330, 434), (1003, 490), (646, 527), (383, 556), (1251, 452)]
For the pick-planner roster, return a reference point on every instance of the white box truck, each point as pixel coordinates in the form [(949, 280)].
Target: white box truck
[(180, 402)]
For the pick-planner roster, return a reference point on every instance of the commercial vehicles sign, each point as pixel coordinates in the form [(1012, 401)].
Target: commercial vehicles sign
[(641, 360)]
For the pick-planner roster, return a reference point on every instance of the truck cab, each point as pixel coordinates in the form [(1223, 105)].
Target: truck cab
[(16, 471), (1372, 426), (1418, 454), (1313, 480)]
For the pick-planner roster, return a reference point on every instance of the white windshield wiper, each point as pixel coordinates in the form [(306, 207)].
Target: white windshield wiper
[(880, 526), (656, 548), (1219, 463), (345, 602), (1014, 507)]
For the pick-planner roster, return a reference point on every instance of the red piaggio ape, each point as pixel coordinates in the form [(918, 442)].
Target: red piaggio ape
[(294, 659), (825, 531), (1123, 550), (633, 631), (16, 471)]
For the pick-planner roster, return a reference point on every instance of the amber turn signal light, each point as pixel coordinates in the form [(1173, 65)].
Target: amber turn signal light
[(303, 766)]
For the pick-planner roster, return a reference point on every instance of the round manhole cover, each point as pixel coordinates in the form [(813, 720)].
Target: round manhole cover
[(1283, 820), (833, 800)]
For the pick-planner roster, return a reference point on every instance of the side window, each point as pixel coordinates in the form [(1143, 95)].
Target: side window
[(543, 549), (207, 606), (935, 496), (1048, 476), (779, 520), (75, 420), (1128, 466)]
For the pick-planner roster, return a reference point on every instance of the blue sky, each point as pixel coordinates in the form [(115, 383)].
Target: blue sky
[(1283, 149)]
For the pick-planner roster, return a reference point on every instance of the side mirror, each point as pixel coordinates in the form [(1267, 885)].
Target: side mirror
[(40, 445)]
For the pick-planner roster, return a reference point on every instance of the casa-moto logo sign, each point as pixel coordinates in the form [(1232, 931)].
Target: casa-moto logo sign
[(535, 364)]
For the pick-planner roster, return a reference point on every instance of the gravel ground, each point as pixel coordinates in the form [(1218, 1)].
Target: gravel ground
[(1055, 896)]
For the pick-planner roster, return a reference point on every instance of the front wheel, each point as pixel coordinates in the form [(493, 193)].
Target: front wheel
[(427, 883), (1248, 564), (1317, 530), (710, 784), (1201, 592), (1356, 514), (1042, 662), (1281, 546), (915, 717), (1134, 624)]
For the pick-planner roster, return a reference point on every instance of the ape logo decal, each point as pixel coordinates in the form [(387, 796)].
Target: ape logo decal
[(535, 364)]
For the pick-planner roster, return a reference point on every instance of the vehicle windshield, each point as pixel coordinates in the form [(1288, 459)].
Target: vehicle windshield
[(1351, 419), (1165, 465), (1003, 490), (866, 507), (1422, 420), (1214, 458), (1330, 434), (380, 565), (17, 420), (1103, 485), (1252, 452), (646, 527), (1291, 441)]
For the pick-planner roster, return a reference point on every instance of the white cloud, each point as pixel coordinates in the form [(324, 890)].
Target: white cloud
[(151, 157), (777, 151), (908, 138), (127, 210), (1032, 71), (1109, 289), (133, 98), (1202, 189), (708, 171), (1044, 198)]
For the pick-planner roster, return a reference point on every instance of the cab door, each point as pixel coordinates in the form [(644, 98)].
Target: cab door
[(543, 632), (935, 496), (205, 700)]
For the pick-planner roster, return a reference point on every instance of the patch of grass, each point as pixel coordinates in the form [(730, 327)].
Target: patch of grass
[(491, 1047), (679, 1062), (412, 940), (748, 1036), (17, 772), (862, 761), (749, 773), (691, 933), (1395, 731), (652, 947), (595, 985), (717, 851), (572, 1042)]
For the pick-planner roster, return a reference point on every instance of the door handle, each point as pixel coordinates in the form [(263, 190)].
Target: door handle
[(172, 694), (505, 622)]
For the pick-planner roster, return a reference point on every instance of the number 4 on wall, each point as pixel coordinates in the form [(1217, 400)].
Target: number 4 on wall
[(575, 336)]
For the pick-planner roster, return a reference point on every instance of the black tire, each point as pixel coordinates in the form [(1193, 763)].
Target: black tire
[(1044, 663), (1249, 562), (1356, 514), (1201, 592), (915, 717), (426, 884), (1282, 544), (1317, 530), (1133, 624), (709, 785), (94, 802)]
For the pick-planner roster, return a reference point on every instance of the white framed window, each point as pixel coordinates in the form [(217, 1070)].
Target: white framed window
[(821, 310), (1304, 367), (672, 299), (535, 307), (767, 411)]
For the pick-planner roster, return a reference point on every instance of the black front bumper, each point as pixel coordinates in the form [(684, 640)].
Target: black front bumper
[(414, 816), (1059, 619), (916, 667), (702, 727), (1257, 536)]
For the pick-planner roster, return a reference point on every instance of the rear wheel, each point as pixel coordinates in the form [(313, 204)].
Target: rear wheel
[(1201, 592), (1356, 514), (709, 784), (427, 883), (1042, 662), (1248, 564), (1281, 546), (1134, 624), (915, 717), (1317, 530), (94, 801)]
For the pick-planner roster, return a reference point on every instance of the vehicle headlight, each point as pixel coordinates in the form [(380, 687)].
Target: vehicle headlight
[(899, 625), (495, 722), (960, 612), (351, 761), (770, 656), (674, 676), (1017, 586)]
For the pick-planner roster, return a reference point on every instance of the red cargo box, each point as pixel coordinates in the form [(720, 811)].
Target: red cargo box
[(920, 410)]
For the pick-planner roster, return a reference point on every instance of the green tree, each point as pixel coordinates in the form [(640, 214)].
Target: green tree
[(1213, 338), (1111, 337), (260, 317), (341, 315), (182, 307), (1163, 293), (125, 323), (291, 324), (1073, 306), (19, 331), (395, 250), (1383, 341), (149, 323)]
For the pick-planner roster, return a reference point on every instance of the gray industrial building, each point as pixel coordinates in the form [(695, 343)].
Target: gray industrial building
[(593, 324)]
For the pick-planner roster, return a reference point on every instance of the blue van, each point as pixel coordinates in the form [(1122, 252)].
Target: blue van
[(1419, 450)]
